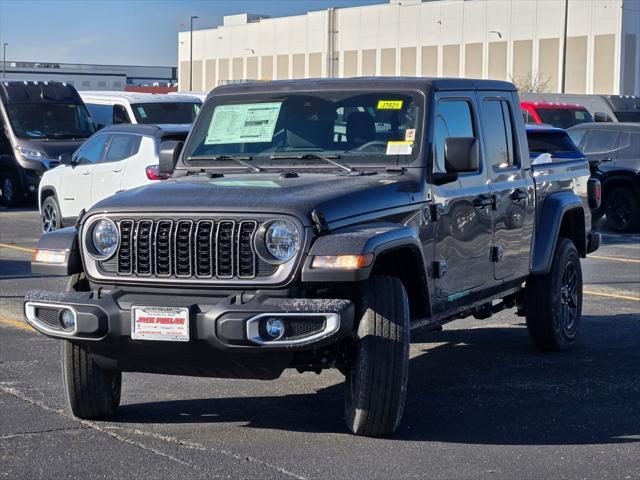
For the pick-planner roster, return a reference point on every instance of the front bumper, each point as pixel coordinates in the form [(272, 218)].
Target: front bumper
[(224, 338)]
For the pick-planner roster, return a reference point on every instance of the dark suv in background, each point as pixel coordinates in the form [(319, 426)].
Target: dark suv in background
[(613, 151)]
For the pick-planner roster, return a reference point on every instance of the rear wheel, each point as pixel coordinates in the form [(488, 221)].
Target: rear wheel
[(376, 383), (622, 210), (11, 191), (92, 391), (554, 300), (51, 217)]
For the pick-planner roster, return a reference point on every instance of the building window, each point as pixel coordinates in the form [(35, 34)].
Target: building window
[(102, 84), (86, 83), (117, 84)]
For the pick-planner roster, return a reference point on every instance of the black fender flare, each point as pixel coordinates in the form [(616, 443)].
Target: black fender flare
[(375, 238), (622, 176), (547, 231), (65, 240)]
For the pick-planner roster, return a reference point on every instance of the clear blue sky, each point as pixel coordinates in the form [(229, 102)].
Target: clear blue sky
[(127, 32)]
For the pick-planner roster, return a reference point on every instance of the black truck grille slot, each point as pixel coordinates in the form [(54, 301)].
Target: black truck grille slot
[(220, 249), (125, 260)]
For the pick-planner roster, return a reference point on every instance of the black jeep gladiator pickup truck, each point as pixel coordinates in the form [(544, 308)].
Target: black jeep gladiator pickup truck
[(313, 224)]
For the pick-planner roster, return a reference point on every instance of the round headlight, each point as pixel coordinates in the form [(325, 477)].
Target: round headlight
[(282, 240), (105, 238)]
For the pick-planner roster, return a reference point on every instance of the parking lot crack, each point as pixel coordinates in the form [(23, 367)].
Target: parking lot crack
[(39, 432)]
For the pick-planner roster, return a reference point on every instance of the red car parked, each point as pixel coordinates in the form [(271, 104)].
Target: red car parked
[(561, 115)]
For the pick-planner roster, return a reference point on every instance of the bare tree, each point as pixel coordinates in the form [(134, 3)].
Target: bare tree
[(532, 82)]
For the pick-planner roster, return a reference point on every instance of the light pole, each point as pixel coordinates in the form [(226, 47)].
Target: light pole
[(191, 18), (4, 60), (564, 47)]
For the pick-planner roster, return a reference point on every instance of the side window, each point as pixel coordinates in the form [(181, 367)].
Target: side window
[(576, 136), (100, 114), (499, 133), (601, 141), (91, 152), (629, 146), (453, 119), (120, 115), (121, 146)]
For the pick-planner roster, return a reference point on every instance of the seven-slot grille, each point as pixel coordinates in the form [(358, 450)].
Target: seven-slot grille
[(184, 248)]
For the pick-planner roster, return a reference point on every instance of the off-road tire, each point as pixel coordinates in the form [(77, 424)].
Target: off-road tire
[(376, 383), (92, 392), (51, 218), (16, 191), (622, 210), (553, 305)]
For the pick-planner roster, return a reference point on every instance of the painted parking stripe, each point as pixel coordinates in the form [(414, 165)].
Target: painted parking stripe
[(15, 323), (16, 247), (614, 259), (612, 295)]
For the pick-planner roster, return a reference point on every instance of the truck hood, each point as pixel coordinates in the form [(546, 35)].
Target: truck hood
[(337, 196)]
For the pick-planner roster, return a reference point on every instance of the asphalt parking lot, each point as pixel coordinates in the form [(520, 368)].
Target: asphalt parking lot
[(482, 403)]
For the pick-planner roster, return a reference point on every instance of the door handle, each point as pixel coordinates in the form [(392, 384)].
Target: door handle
[(87, 172), (482, 201), (519, 195), (116, 170)]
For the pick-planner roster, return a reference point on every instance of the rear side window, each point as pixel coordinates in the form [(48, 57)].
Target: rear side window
[(100, 114), (120, 115), (454, 119), (629, 146), (550, 142), (499, 143), (601, 141), (122, 146)]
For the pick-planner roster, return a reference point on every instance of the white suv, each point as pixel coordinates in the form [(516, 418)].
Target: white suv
[(116, 158), (112, 108)]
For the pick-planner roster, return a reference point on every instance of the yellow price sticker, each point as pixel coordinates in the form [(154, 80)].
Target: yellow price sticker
[(389, 104)]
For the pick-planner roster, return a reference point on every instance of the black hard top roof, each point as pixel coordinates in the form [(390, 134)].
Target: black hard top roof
[(30, 91), (363, 83), (149, 130)]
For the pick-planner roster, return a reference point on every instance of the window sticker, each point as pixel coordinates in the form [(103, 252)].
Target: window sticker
[(389, 104), (410, 134), (142, 113), (399, 148), (244, 123)]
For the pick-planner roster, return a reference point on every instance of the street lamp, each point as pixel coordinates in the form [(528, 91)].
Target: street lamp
[(191, 19), (4, 60), (564, 47)]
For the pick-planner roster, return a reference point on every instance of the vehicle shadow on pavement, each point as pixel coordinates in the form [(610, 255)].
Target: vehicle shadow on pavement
[(478, 386)]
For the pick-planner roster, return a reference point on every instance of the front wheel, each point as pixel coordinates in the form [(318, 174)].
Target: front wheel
[(554, 300), (376, 383), (622, 210), (11, 191), (51, 216)]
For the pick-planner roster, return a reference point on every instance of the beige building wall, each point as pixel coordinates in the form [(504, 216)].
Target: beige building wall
[(576, 68), (197, 75), (517, 38), (238, 70), (252, 68), (549, 61), (473, 60), (210, 74)]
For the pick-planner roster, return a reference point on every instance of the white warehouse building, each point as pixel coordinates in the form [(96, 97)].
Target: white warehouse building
[(511, 40)]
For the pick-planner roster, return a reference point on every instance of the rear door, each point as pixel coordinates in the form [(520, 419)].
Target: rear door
[(463, 227), (75, 186), (512, 194), (107, 175)]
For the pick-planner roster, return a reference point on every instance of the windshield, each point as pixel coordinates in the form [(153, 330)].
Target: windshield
[(550, 142), (564, 117), (50, 120), (628, 116), (361, 127), (170, 112)]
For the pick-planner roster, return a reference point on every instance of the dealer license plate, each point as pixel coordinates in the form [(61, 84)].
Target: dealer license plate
[(160, 323)]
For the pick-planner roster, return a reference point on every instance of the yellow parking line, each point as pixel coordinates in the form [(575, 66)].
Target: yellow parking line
[(612, 295), (20, 249), (15, 323), (615, 259)]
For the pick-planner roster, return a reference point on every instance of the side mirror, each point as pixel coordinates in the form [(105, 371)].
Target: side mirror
[(169, 154), (461, 154), (98, 126), (601, 117), (66, 159)]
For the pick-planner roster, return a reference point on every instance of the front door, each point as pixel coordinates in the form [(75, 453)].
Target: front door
[(107, 175), (75, 185), (512, 193), (464, 215)]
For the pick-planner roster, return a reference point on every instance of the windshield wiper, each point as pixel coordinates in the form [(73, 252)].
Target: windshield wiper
[(314, 156), (241, 159)]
